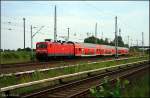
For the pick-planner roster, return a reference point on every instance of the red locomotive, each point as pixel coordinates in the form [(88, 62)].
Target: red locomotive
[(54, 49)]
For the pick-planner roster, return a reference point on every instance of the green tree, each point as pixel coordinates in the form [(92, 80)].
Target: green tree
[(27, 49), (19, 49), (120, 41), (1, 50), (112, 43), (126, 45), (91, 39), (101, 41), (106, 41), (94, 40)]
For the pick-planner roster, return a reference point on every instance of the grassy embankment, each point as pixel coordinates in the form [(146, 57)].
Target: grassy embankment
[(6, 81), (138, 88), (15, 57), (12, 80), (25, 56)]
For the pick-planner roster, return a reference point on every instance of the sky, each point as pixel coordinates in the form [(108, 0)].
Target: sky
[(79, 16)]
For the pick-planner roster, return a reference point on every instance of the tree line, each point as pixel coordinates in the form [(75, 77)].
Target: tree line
[(105, 41), (19, 49), (90, 39)]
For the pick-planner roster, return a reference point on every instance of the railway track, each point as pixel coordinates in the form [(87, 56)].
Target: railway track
[(12, 68), (80, 88), (57, 60), (52, 68)]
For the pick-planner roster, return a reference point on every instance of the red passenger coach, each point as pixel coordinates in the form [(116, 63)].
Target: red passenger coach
[(124, 51), (85, 49)]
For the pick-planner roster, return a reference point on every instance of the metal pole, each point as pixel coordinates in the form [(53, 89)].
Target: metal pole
[(0, 41), (116, 38), (96, 32), (131, 42), (24, 31), (143, 42), (68, 33), (31, 44), (0, 48), (55, 26), (87, 34), (137, 42), (128, 42), (119, 32), (32, 36), (137, 45)]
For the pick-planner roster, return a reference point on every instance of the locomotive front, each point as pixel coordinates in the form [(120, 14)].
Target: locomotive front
[(41, 50)]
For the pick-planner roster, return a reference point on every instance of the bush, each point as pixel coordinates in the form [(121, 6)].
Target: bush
[(19, 49), (106, 90), (1, 50), (6, 56), (27, 49), (14, 55)]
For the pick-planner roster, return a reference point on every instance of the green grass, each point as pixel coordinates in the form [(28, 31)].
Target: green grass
[(139, 87), (15, 57)]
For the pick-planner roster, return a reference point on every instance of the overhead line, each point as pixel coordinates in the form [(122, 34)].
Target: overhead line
[(108, 14)]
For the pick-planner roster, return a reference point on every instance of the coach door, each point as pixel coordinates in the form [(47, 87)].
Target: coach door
[(78, 51)]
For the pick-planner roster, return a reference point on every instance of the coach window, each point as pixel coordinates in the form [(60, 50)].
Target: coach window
[(79, 49)]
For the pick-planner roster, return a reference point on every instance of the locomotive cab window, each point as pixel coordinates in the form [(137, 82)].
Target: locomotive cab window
[(41, 46), (50, 45)]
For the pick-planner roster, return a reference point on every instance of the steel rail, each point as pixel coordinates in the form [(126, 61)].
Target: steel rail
[(12, 68), (35, 63), (61, 67), (22, 64), (86, 91), (25, 63), (13, 87), (54, 92)]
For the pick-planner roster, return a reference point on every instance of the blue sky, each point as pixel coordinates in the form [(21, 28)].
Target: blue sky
[(80, 16)]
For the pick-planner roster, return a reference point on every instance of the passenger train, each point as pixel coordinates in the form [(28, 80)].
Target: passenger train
[(48, 49)]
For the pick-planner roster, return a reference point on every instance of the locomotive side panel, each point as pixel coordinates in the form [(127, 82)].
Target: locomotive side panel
[(58, 49)]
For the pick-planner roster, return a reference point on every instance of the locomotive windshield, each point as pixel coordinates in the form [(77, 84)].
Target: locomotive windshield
[(41, 45)]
